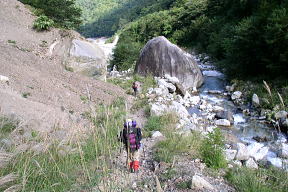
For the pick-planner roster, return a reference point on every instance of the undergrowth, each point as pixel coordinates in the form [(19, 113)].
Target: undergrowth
[(79, 170), (264, 180)]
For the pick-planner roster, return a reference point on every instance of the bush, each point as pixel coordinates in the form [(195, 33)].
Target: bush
[(43, 23), (212, 150)]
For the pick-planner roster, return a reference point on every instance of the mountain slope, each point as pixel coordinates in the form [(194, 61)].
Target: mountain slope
[(41, 93)]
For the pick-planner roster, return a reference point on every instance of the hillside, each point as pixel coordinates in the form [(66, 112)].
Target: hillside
[(41, 93)]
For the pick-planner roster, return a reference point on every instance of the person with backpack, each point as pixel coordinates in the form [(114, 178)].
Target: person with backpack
[(136, 87), (131, 137)]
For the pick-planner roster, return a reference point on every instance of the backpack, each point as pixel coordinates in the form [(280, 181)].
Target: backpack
[(134, 143)]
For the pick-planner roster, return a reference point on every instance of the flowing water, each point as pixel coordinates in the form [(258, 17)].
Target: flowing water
[(245, 128)]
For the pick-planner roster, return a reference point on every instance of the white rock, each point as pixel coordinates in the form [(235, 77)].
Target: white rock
[(157, 134), (179, 109), (260, 154), (200, 183), (150, 90), (218, 108), (194, 100), (254, 148), (238, 118), (202, 107), (187, 96), (157, 109), (230, 154), (275, 161), (223, 122), (250, 163), (236, 95), (171, 79), (255, 100), (284, 150), (4, 78), (237, 162), (242, 152)]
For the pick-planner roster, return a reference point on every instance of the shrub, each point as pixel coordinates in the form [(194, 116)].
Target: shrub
[(212, 150), (43, 23)]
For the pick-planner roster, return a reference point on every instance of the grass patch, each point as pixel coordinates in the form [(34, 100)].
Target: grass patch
[(26, 94), (175, 145), (184, 185), (264, 180), (212, 150), (11, 41), (165, 123), (7, 125), (81, 170)]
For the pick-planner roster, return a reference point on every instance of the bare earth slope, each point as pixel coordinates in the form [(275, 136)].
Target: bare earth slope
[(41, 92)]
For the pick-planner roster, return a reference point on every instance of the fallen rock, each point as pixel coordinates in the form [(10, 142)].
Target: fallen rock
[(230, 154), (250, 163), (194, 100), (223, 122), (225, 115), (255, 100), (236, 95), (260, 154), (200, 183), (242, 152), (157, 134), (254, 148), (160, 57), (4, 79), (237, 162), (281, 114), (157, 109), (171, 79)]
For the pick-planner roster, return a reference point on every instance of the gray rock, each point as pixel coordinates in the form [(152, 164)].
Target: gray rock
[(200, 183), (284, 123), (236, 95), (230, 154), (242, 152), (250, 163), (255, 100), (281, 114), (160, 57), (179, 109), (223, 122), (225, 115)]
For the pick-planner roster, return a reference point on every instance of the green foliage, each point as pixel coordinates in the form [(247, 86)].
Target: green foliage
[(184, 185), (212, 150), (64, 13), (43, 23), (176, 144), (264, 180), (245, 38), (11, 41), (26, 94), (7, 125)]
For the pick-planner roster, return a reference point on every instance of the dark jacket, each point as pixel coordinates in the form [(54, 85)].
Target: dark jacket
[(124, 136)]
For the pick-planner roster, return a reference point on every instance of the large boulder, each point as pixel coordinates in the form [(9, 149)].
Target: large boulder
[(160, 57)]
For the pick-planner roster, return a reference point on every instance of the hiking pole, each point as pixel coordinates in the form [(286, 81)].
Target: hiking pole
[(127, 139)]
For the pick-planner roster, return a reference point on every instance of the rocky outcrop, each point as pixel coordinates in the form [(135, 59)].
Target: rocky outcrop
[(160, 57)]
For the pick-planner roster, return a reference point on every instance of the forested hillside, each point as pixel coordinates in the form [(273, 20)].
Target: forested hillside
[(246, 38)]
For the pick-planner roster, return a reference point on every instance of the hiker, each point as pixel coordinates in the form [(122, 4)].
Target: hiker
[(136, 87), (131, 137)]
